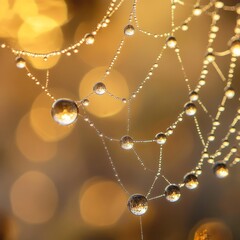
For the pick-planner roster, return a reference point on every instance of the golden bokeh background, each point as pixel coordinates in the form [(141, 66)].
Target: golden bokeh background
[(56, 182)]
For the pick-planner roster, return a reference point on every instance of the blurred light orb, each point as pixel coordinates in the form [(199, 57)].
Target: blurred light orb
[(129, 30), (64, 111), (20, 62), (190, 109), (34, 198), (9, 19), (89, 39), (137, 204), (34, 35), (220, 169), (25, 10), (44, 126), (99, 88), (235, 48), (31, 145), (172, 193), (212, 229), (104, 105), (54, 9), (161, 138), (238, 8), (190, 181), (126, 142), (171, 42), (102, 203)]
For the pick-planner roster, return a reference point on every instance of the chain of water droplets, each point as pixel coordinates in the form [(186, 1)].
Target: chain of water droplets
[(194, 98), (201, 83)]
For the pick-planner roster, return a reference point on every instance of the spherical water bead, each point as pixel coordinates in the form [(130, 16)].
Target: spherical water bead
[(205, 155), (210, 160), (221, 108), (99, 88), (172, 193), (190, 109), (75, 50), (64, 111), (171, 42), (124, 100), (232, 130), (229, 93), (126, 142), (85, 102), (220, 169), (137, 204), (211, 138), (216, 123), (197, 11), (169, 131), (193, 96), (235, 48), (210, 57), (184, 27), (129, 30), (212, 35), (219, 4), (225, 143), (20, 62), (198, 171), (237, 29), (216, 17), (202, 82), (89, 39), (214, 28), (190, 181), (161, 138), (234, 149)]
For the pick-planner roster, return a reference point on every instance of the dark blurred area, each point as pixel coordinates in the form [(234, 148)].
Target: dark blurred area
[(56, 183)]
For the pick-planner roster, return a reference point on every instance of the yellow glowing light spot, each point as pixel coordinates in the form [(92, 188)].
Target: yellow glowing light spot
[(41, 34), (55, 9), (9, 21), (102, 203), (104, 105), (42, 101), (45, 127), (4, 8), (34, 198), (31, 146), (212, 229), (235, 48), (25, 10)]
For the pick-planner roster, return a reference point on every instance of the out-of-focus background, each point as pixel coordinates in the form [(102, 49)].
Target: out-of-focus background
[(56, 182)]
